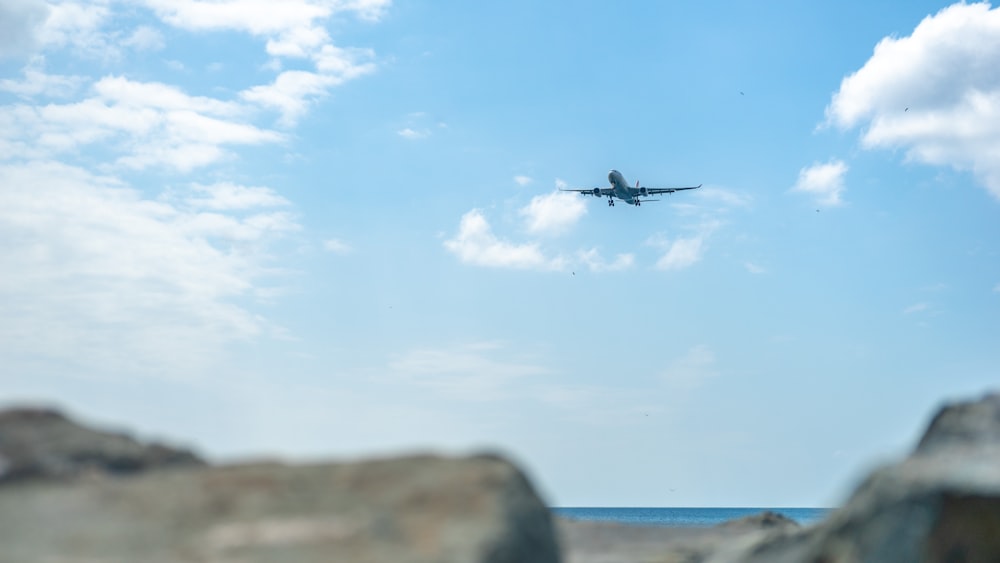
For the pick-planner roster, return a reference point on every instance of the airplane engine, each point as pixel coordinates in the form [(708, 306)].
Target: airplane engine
[(597, 192), (643, 192)]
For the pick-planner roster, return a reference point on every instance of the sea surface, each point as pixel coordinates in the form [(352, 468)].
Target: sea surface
[(683, 517)]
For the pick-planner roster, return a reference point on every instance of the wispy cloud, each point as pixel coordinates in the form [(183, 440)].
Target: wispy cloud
[(691, 369), (229, 196), (705, 211), (476, 244), (337, 246), (723, 196), (147, 123), (104, 277), (523, 180), (145, 38), (824, 181), (412, 134), (553, 213), (126, 277), (79, 26), (297, 22), (754, 268), (38, 83), (593, 260), (916, 308), (683, 252), (290, 94), (295, 31), (467, 372), (419, 125), (934, 93)]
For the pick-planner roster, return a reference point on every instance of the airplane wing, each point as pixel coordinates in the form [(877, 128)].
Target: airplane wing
[(654, 191), (598, 192)]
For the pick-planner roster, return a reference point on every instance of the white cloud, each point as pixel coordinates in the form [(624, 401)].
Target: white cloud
[(725, 197), (337, 246), (371, 10), (476, 244), (96, 275), (824, 181), (297, 42), (593, 260), (37, 83), (916, 308), (293, 28), (691, 369), (257, 17), (145, 38), (522, 180), (934, 93), (99, 272), (553, 213), (290, 93), (130, 93), (342, 64), (20, 21), (78, 25), (260, 17), (149, 124), (228, 196), (754, 268), (681, 253), (412, 134), (466, 372)]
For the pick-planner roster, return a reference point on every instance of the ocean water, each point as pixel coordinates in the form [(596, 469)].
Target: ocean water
[(682, 517)]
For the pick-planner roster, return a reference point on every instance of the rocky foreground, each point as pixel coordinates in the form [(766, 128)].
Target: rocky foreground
[(72, 494), (42, 444)]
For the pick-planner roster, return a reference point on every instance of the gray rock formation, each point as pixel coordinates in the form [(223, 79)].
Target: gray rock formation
[(940, 504), (609, 542), (412, 509), (973, 424), (44, 444), (766, 520)]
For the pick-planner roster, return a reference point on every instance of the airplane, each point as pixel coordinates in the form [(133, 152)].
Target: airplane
[(620, 189)]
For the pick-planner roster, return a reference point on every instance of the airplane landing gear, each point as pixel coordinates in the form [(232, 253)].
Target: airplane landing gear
[(611, 202)]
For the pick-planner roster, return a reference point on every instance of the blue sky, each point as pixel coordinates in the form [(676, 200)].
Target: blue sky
[(331, 229)]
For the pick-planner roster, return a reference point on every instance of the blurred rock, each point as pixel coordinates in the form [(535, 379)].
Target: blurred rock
[(610, 542), (940, 504), (44, 444), (766, 520), (963, 425), (411, 509)]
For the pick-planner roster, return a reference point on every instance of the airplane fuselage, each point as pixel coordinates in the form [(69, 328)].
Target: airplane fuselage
[(620, 187)]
